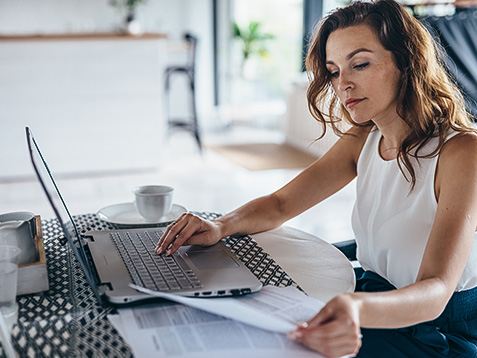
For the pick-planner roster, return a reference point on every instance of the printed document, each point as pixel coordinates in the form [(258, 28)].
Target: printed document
[(251, 326)]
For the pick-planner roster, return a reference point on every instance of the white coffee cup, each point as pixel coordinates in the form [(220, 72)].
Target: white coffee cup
[(153, 201)]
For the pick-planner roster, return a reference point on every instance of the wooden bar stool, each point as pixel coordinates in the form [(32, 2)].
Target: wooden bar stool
[(189, 124)]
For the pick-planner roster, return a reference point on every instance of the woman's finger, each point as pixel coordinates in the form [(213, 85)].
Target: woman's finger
[(326, 314), (185, 229), (336, 338), (162, 244), (169, 234), (329, 342), (184, 233)]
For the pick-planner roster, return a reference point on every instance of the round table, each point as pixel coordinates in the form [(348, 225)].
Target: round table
[(318, 267), (76, 325)]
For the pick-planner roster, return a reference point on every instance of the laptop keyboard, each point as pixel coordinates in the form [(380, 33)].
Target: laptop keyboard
[(147, 269)]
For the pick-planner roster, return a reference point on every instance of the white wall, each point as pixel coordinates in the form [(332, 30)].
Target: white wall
[(173, 17), (60, 16), (94, 104)]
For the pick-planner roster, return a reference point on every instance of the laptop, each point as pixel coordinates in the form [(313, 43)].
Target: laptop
[(112, 260)]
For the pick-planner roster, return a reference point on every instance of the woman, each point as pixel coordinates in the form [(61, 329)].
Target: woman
[(413, 150)]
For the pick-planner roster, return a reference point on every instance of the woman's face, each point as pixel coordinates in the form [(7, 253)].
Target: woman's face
[(363, 74)]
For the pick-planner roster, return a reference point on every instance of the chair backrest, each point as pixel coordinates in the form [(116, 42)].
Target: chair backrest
[(191, 41), (456, 34)]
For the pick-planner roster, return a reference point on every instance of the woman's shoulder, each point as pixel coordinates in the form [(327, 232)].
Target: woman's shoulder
[(459, 154), (457, 165), (460, 143)]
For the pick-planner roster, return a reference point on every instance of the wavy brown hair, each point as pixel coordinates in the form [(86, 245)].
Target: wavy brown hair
[(429, 102)]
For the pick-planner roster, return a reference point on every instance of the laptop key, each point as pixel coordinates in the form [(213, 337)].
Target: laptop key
[(174, 285), (150, 270), (185, 283)]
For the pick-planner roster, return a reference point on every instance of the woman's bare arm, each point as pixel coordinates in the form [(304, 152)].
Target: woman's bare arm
[(448, 247), (323, 178), (444, 259)]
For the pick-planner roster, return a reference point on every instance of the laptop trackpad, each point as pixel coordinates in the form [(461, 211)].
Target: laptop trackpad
[(211, 260)]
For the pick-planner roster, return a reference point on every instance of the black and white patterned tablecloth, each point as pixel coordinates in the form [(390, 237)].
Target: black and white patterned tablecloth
[(67, 321)]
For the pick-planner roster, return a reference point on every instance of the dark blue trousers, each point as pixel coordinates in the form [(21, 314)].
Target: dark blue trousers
[(452, 334)]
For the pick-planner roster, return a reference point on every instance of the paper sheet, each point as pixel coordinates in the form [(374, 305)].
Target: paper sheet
[(183, 331), (266, 309)]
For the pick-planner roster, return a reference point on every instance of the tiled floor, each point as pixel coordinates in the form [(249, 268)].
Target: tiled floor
[(202, 182)]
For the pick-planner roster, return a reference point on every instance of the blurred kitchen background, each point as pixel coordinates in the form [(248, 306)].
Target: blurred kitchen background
[(89, 78)]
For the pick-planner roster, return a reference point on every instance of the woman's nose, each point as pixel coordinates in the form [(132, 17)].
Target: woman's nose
[(345, 82)]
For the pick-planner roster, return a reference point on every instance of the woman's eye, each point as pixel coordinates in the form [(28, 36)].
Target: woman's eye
[(361, 66), (334, 74)]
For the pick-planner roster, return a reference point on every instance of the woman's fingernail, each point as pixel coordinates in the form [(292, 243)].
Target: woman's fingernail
[(294, 335), (302, 324)]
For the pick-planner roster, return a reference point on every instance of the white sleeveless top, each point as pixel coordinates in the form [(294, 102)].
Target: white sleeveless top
[(392, 226)]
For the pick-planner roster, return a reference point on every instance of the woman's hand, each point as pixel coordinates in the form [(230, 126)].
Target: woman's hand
[(188, 229), (335, 330)]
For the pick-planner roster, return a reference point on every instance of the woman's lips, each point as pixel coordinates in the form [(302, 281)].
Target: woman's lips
[(351, 102)]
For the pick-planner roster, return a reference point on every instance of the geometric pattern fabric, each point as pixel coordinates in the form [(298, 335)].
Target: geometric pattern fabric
[(67, 321)]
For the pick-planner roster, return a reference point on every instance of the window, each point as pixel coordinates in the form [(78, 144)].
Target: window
[(266, 77)]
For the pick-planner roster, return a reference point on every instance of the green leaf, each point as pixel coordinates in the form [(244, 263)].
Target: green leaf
[(237, 32), (252, 39)]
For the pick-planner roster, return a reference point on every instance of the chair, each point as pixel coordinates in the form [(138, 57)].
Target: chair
[(189, 124), (348, 248)]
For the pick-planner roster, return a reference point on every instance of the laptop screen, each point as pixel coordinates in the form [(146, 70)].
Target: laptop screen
[(71, 233)]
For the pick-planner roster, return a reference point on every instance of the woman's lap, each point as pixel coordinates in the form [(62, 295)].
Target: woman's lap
[(393, 343), (452, 335)]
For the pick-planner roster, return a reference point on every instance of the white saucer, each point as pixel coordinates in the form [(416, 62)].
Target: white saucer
[(126, 214)]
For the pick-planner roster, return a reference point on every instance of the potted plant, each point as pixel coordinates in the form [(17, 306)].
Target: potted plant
[(252, 40), (131, 24)]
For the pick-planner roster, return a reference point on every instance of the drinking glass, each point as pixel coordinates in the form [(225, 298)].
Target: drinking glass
[(8, 283)]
